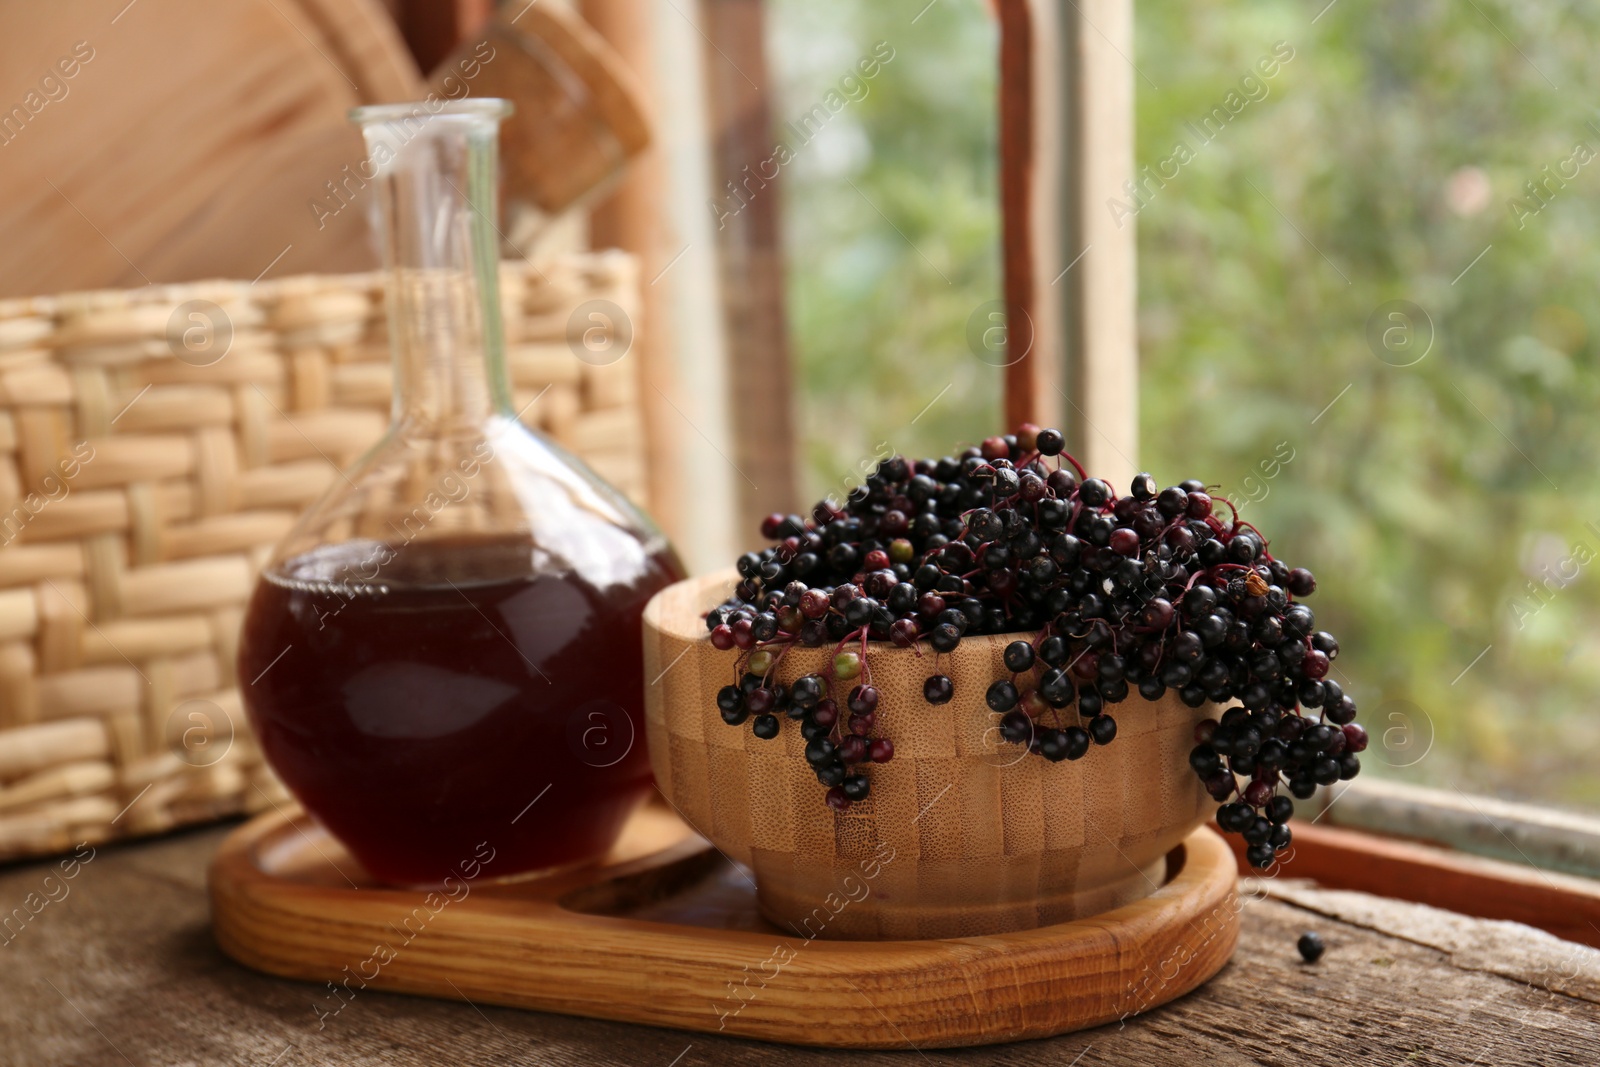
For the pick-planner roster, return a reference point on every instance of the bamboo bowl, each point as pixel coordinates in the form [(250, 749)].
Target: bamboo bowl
[(962, 835)]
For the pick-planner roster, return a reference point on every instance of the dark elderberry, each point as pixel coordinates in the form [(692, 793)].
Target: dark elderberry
[(1062, 482), (1094, 493), (1172, 502), (819, 751), (1019, 657), (1103, 728), (1065, 550), (1053, 745), (1056, 687), (1096, 593), (1301, 582), (806, 692), (1234, 817), (1002, 695), (1205, 761), (1342, 711), (863, 699), (945, 637), (1016, 727)]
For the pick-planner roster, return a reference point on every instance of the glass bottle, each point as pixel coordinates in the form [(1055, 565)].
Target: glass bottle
[(442, 660)]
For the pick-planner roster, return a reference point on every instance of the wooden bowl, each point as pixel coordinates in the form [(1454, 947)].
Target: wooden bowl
[(962, 835)]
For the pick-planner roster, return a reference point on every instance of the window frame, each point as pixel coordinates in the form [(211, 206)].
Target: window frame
[(1066, 116), (1067, 147)]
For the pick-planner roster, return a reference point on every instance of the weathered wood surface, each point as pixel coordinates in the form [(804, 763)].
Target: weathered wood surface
[(120, 969)]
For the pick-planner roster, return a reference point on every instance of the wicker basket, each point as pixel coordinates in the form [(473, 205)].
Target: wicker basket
[(140, 492)]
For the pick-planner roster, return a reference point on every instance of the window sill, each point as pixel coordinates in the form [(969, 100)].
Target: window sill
[(1386, 866)]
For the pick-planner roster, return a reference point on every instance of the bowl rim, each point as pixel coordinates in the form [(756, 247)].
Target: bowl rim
[(656, 614)]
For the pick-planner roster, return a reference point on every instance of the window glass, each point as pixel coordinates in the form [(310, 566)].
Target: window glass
[(1368, 254), (891, 225), (1367, 245)]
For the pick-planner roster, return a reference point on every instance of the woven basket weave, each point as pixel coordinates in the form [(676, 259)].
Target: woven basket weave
[(140, 493)]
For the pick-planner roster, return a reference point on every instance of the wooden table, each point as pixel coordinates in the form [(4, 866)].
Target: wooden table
[(120, 969)]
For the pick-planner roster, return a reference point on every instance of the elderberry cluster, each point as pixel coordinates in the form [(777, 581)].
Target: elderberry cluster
[(1152, 590)]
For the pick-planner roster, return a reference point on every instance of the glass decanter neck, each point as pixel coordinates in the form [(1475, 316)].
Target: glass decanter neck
[(434, 165)]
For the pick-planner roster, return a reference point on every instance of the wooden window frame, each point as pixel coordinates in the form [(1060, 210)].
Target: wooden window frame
[(1066, 124), (1066, 147)]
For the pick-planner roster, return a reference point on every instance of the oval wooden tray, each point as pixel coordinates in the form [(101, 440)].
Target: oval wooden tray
[(666, 932)]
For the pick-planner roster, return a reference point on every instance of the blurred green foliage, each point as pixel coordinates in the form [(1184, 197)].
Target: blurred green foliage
[(1450, 507), (891, 225)]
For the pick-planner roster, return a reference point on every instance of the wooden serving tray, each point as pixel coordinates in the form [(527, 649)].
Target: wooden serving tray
[(666, 932)]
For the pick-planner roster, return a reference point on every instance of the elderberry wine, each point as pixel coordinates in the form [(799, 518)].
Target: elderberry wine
[(422, 698), (444, 653)]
